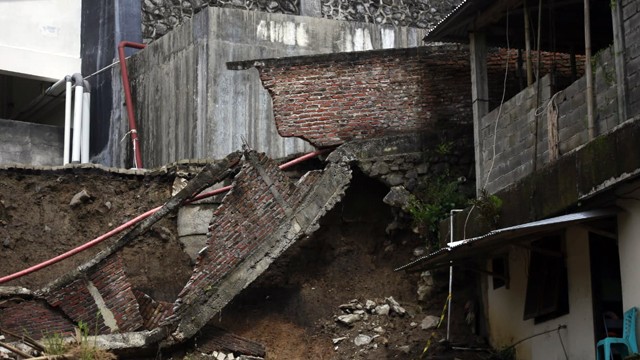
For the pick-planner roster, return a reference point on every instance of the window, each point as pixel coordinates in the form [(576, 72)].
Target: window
[(547, 287)]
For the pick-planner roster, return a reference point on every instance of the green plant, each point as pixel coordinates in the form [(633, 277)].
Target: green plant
[(87, 351), (489, 207), (431, 203), (444, 148), (54, 344)]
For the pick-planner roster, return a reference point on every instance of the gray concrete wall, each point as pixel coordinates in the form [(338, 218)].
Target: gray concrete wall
[(28, 143), (188, 105), (631, 30), (518, 143)]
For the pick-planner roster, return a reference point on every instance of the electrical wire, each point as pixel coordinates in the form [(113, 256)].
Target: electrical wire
[(106, 67), (495, 128), (562, 343), (560, 327)]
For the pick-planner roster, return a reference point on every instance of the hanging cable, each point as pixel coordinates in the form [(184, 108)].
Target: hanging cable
[(495, 127)]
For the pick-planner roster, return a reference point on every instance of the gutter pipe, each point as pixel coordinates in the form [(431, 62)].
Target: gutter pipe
[(67, 120), (134, 221), (77, 117), (86, 107), (137, 162)]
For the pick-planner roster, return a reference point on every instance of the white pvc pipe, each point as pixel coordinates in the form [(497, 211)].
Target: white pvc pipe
[(84, 151), (77, 123), (67, 123), (450, 296)]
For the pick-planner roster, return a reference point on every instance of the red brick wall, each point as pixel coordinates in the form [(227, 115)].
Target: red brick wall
[(35, 318), (330, 99)]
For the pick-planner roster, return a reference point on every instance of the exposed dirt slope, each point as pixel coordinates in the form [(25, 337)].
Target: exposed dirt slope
[(37, 223), (292, 308)]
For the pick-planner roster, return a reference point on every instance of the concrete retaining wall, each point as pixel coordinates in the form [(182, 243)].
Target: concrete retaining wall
[(28, 143), (188, 105)]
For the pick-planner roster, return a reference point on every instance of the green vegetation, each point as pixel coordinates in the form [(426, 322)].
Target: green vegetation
[(431, 203), (54, 344), (489, 207)]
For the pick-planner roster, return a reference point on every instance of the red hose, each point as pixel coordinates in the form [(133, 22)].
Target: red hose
[(134, 221), (127, 95)]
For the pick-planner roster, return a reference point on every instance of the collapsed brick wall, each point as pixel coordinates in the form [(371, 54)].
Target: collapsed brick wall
[(33, 317), (79, 303), (631, 29), (260, 217), (102, 299)]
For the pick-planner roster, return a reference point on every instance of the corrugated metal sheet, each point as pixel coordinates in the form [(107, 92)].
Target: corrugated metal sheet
[(496, 239)]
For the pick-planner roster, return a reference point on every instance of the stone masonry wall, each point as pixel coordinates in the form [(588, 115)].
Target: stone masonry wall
[(414, 13), (631, 24), (260, 217), (411, 159), (518, 143), (161, 16)]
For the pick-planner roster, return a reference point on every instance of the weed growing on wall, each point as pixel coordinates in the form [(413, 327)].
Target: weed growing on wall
[(431, 203), (489, 207)]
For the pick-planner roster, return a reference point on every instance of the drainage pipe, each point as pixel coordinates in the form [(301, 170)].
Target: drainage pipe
[(86, 107), (132, 222), (137, 162), (67, 121), (453, 211), (77, 117)]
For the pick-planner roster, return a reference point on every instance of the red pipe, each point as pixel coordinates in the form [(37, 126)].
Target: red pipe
[(137, 163), (80, 248), (134, 221)]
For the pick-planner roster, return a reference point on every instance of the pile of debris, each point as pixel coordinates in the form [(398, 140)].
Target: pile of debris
[(368, 324)]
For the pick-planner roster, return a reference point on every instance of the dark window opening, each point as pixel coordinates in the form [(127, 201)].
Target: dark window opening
[(500, 269), (547, 286)]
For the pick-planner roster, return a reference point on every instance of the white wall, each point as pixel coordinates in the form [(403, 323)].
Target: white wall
[(505, 308), (40, 38), (629, 247)]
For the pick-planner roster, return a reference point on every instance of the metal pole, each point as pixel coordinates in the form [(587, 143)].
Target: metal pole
[(453, 211)]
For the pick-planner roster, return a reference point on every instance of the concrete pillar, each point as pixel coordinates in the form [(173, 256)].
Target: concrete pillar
[(479, 97)]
